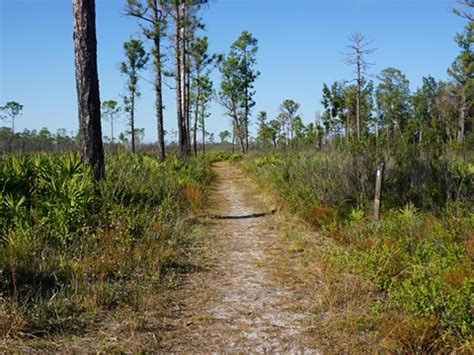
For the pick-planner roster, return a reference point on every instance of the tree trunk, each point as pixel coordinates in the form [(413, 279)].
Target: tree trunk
[(183, 70), (187, 81), (239, 131), (233, 139), (462, 119), (180, 89), (132, 118), (158, 80), (203, 135), (246, 122), (87, 85), (196, 117), (358, 98)]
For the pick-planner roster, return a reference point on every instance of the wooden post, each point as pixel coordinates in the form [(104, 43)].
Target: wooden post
[(378, 190)]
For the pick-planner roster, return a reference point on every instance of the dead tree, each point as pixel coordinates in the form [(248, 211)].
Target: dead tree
[(87, 84), (356, 56)]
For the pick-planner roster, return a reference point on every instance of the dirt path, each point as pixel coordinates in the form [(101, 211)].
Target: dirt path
[(237, 305)]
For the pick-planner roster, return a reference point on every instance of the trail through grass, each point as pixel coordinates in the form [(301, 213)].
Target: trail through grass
[(256, 294)]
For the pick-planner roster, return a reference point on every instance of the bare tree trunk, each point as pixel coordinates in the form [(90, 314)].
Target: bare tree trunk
[(183, 79), (132, 118), (112, 129), (233, 138), (196, 117), (241, 139), (240, 133), (203, 135), (180, 81), (462, 119), (158, 79), (246, 123), (358, 97), (187, 94), (87, 84)]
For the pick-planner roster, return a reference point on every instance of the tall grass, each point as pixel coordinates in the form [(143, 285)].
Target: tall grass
[(72, 251)]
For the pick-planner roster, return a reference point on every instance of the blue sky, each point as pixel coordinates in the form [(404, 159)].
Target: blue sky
[(300, 47)]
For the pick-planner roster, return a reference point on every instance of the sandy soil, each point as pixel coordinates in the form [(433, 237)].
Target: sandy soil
[(237, 304)]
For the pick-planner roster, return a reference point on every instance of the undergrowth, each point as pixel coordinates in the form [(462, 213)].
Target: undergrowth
[(72, 253), (420, 255)]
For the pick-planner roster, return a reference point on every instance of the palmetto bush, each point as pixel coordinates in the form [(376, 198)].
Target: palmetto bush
[(45, 191), (70, 248)]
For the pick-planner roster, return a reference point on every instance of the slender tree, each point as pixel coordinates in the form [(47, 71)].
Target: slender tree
[(136, 59), (205, 94), (237, 85), (358, 51), (288, 110), (246, 47), (264, 129), (230, 97), (10, 111), (153, 14), (201, 63), (110, 110), (87, 84)]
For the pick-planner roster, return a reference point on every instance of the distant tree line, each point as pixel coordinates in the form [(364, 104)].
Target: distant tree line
[(385, 111)]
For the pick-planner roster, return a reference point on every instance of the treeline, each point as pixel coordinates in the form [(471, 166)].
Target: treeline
[(44, 140), (386, 111)]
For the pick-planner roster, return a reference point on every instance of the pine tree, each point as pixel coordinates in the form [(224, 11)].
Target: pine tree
[(87, 84)]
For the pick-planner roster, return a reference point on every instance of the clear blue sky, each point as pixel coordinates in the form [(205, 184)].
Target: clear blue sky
[(300, 47)]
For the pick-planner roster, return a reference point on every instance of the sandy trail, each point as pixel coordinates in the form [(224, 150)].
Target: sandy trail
[(236, 305)]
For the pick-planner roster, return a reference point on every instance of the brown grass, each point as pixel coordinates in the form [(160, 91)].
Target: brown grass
[(320, 215), (192, 195), (411, 335)]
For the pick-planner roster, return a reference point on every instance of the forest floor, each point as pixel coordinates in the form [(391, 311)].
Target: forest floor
[(237, 304)]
